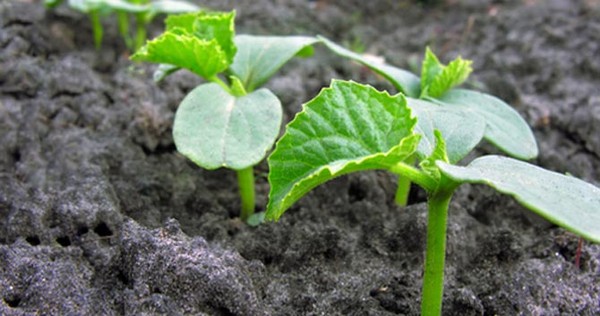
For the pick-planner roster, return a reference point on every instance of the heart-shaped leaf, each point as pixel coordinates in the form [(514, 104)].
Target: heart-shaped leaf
[(563, 200), (461, 131), (347, 127), (404, 81), (259, 57), (215, 129), (505, 128)]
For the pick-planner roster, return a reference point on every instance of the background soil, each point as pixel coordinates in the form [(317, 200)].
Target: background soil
[(100, 216)]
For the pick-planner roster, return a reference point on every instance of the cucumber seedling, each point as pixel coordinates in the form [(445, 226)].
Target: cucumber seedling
[(351, 127), (228, 122), (463, 116), (142, 10)]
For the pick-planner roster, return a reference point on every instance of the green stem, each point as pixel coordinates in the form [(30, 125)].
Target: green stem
[(140, 31), (415, 175), (123, 22), (404, 186), (246, 187), (96, 28), (220, 82), (435, 256)]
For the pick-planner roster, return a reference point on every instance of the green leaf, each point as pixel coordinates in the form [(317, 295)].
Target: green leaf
[(215, 129), (436, 78), (438, 154), (505, 128), (52, 3), (259, 57), (201, 42), (183, 21), (563, 200), (205, 58), (462, 131), (347, 127), (452, 75), (430, 69), (217, 26), (404, 81)]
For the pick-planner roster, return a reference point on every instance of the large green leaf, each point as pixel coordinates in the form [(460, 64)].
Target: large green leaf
[(461, 131), (563, 200), (259, 57), (215, 129), (404, 81), (347, 127), (505, 128)]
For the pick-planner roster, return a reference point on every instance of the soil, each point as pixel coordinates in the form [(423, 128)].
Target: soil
[(99, 215)]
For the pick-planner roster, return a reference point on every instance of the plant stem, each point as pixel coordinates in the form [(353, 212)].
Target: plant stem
[(220, 82), (404, 186), (96, 28), (246, 187), (435, 256), (415, 175), (140, 31), (123, 22)]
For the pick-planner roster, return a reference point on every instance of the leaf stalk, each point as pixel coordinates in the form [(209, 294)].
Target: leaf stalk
[(415, 175)]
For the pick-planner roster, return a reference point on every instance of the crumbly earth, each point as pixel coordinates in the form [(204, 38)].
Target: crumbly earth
[(99, 215)]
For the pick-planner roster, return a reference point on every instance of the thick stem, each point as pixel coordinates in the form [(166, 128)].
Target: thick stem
[(96, 28), (246, 186), (435, 256)]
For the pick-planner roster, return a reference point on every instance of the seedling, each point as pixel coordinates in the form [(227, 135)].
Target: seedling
[(463, 116), (143, 11), (227, 122), (351, 127)]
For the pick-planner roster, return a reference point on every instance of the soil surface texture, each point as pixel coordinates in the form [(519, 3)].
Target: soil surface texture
[(99, 214)]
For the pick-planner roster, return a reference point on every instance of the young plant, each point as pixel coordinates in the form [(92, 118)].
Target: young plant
[(143, 10), (463, 116), (228, 122), (351, 127)]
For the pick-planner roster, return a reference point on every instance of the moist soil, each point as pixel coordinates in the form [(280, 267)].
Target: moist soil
[(99, 215)]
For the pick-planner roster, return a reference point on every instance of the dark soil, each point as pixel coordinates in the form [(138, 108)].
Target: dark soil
[(99, 215)]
